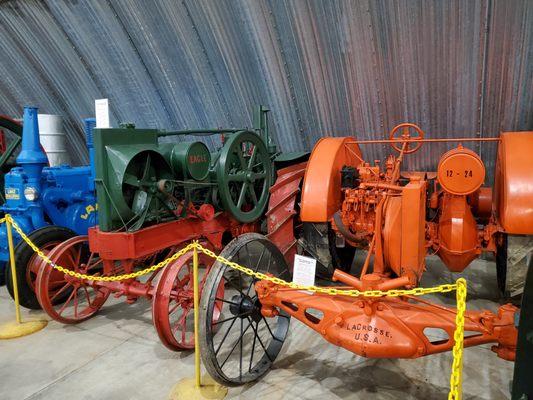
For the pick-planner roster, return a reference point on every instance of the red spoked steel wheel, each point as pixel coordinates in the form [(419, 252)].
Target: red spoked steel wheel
[(35, 264), (64, 298), (173, 302)]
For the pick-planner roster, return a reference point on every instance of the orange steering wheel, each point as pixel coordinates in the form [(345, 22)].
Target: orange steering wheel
[(400, 133)]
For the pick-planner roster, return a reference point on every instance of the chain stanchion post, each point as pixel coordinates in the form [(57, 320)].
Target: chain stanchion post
[(197, 388), (13, 268), (18, 328), (196, 300)]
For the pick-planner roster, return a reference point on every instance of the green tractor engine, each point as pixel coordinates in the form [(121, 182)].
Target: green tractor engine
[(141, 182)]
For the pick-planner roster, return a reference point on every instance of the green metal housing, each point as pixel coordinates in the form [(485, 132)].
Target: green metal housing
[(142, 182), (190, 160)]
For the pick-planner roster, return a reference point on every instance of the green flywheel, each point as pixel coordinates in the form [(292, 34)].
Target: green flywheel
[(244, 176)]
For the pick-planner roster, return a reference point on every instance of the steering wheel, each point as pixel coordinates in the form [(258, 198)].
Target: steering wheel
[(400, 133)]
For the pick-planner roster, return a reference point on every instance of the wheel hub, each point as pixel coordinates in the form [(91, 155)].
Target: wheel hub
[(244, 306)]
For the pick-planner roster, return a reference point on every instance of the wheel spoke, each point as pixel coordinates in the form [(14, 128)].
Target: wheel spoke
[(226, 301), (183, 328), (78, 257), (52, 286), (93, 266), (252, 157), (152, 276), (69, 256), (255, 269), (260, 341), (225, 336), (66, 302), (252, 353), (76, 303), (87, 295), (237, 177), (235, 346), (242, 161), (232, 285), (270, 330), (146, 167), (242, 194), (180, 322), (259, 175), (131, 180), (90, 260), (240, 352), (228, 319), (60, 291), (174, 308), (251, 190)]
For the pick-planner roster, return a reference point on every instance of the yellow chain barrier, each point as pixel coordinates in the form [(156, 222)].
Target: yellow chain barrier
[(459, 287), (79, 275)]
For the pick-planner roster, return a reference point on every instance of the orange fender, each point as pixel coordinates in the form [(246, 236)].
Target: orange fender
[(321, 194), (514, 182)]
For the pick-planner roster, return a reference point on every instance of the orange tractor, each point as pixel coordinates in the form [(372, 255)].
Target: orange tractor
[(399, 217)]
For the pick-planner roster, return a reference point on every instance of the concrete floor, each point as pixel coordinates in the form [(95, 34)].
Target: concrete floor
[(117, 355)]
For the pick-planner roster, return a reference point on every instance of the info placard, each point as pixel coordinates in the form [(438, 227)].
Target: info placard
[(304, 270), (101, 111)]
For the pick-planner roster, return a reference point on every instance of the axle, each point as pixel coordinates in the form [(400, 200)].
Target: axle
[(406, 327)]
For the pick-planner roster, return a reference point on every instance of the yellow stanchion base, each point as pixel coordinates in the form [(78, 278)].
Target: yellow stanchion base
[(186, 389), (14, 329)]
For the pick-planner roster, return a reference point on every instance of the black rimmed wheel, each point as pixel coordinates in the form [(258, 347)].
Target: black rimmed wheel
[(242, 344)]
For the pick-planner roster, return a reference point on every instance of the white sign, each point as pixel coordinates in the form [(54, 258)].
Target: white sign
[(101, 111), (304, 270)]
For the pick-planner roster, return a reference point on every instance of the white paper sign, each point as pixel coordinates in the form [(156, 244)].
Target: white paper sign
[(304, 270), (101, 111)]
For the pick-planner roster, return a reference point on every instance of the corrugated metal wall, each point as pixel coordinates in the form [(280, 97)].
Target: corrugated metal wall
[(456, 68)]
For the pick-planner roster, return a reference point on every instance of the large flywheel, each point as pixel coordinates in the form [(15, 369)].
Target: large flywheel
[(145, 188), (244, 176)]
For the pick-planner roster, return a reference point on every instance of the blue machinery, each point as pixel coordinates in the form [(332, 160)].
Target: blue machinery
[(51, 203)]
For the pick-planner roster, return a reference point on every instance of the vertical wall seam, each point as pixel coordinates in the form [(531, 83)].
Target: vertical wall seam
[(82, 59), (305, 138), (141, 60), (488, 15), (218, 89)]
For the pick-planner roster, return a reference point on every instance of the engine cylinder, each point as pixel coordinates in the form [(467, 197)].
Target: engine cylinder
[(191, 160)]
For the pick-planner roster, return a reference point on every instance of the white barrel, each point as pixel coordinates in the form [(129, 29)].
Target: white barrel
[(53, 139)]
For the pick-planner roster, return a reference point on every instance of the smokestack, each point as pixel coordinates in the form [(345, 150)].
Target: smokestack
[(31, 152)]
